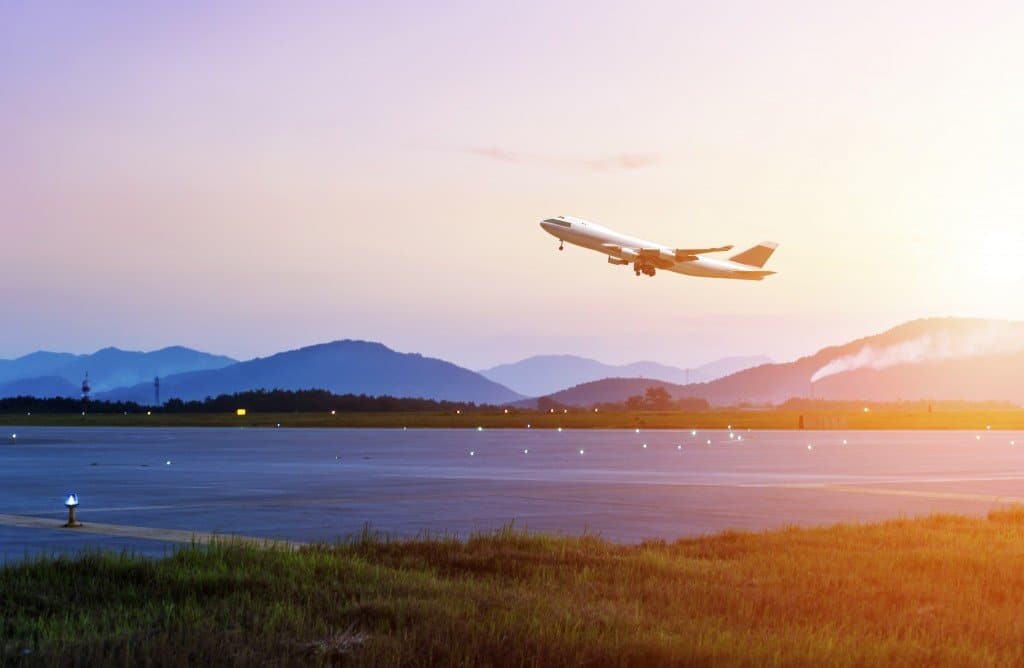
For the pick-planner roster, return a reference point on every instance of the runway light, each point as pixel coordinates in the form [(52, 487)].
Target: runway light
[(638, 430), (334, 412), (528, 426), (709, 441), (867, 410), (71, 503), (240, 412), (978, 437), (479, 428), (168, 462), (472, 453), (506, 411), (526, 452), (645, 446), (729, 427), (459, 412), (278, 424), (581, 451), (679, 447), (149, 412), (844, 441), (565, 410), (559, 429), (739, 438), (693, 432), (810, 447), (732, 435), (595, 410), (14, 437), (551, 410), (1013, 442), (988, 426)]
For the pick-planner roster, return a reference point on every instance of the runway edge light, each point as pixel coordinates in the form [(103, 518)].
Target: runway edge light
[(71, 503)]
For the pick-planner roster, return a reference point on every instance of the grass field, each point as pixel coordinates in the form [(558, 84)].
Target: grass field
[(578, 419), (942, 590)]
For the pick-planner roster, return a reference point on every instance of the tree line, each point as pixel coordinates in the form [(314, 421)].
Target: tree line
[(264, 401)]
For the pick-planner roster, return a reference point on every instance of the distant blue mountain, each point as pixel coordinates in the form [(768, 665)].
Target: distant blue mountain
[(546, 374), (108, 368), (43, 387), (359, 367)]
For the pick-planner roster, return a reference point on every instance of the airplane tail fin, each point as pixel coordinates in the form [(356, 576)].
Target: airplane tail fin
[(756, 256)]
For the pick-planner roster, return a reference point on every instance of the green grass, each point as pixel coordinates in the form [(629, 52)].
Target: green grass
[(943, 590), (573, 419)]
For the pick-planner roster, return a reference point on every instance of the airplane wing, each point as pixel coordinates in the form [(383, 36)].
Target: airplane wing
[(661, 257), (687, 252), (657, 256), (679, 254)]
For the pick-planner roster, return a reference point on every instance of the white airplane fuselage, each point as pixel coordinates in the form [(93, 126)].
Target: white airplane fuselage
[(623, 249)]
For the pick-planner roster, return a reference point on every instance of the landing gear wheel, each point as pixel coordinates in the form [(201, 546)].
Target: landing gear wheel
[(560, 246)]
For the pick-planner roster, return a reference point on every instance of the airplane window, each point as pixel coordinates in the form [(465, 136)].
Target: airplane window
[(558, 222)]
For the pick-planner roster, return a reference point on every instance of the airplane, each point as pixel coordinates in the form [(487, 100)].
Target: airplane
[(647, 257)]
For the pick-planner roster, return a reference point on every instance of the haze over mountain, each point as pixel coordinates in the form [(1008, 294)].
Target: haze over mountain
[(543, 374), (939, 358), (46, 373), (41, 386), (358, 367)]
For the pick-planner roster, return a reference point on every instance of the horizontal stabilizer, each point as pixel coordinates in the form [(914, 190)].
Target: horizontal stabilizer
[(756, 256)]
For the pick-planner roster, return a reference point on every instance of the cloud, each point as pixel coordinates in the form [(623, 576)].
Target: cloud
[(603, 163)]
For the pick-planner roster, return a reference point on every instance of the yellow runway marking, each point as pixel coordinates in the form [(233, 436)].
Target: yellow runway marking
[(148, 533)]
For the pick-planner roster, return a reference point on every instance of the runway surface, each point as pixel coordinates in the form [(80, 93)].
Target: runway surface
[(149, 488)]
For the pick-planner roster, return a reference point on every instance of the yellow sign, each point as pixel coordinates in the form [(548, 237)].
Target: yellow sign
[(240, 412)]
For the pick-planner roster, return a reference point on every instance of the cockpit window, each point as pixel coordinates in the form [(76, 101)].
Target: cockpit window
[(558, 222)]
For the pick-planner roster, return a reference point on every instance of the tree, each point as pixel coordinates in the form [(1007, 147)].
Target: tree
[(657, 399)]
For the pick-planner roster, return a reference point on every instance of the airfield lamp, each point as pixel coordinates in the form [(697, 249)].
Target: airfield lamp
[(72, 502)]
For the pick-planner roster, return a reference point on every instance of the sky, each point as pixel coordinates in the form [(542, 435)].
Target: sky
[(246, 179)]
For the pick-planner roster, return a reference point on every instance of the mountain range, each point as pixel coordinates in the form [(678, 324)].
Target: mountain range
[(941, 358), (46, 373), (938, 358), (544, 374), (357, 367)]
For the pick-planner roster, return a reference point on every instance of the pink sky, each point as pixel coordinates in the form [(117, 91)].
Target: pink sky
[(245, 181)]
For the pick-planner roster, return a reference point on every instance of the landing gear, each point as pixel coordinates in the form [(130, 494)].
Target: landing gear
[(646, 269), (560, 245)]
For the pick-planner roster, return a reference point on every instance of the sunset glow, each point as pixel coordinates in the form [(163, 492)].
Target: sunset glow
[(249, 181)]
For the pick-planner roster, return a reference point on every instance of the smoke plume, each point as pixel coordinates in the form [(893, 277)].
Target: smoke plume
[(928, 348)]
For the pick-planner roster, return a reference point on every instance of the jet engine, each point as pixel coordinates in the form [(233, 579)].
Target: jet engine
[(615, 260)]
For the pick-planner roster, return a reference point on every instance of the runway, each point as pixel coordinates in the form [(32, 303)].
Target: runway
[(146, 489)]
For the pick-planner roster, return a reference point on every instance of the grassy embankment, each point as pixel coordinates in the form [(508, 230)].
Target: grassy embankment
[(574, 419), (943, 590)]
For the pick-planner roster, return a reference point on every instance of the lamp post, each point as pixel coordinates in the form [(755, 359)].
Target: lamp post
[(72, 502)]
